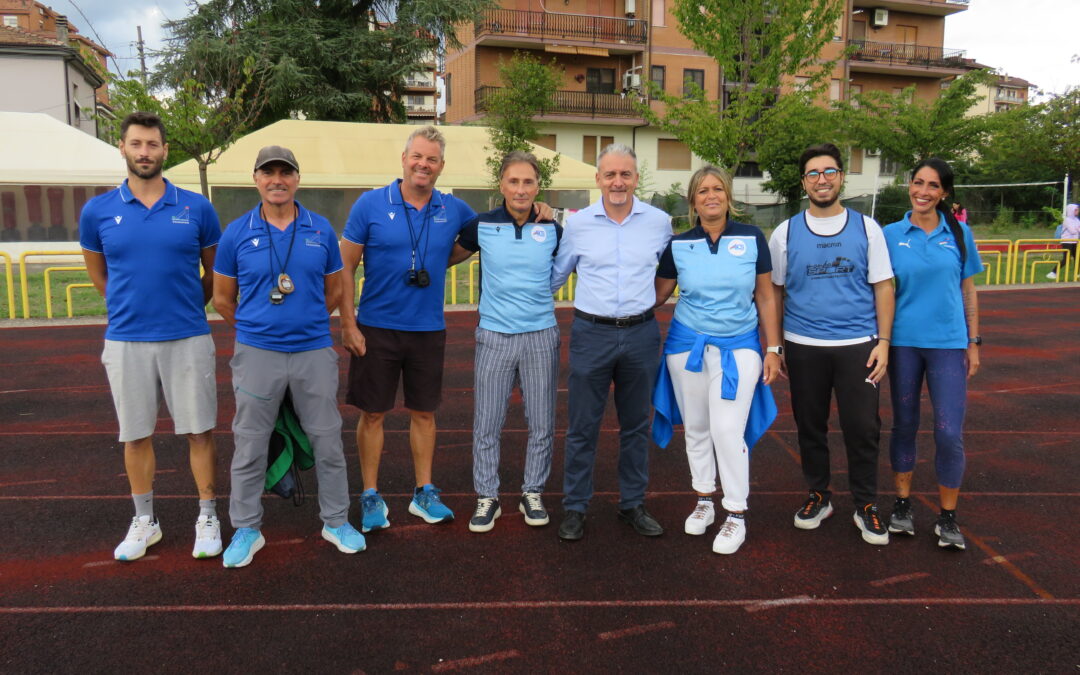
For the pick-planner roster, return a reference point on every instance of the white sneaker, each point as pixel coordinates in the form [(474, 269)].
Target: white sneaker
[(703, 516), (207, 537), (1051, 275), (142, 534), (732, 535)]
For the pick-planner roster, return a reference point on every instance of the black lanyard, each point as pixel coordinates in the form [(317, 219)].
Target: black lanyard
[(414, 238), (270, 240)]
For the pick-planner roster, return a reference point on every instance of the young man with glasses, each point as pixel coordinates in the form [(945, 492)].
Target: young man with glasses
[(834, 287)]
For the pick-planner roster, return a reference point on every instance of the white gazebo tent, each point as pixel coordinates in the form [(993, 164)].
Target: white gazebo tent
[(48, 170)]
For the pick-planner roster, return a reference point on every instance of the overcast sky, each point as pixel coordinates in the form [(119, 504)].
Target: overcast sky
[(1037, 40)]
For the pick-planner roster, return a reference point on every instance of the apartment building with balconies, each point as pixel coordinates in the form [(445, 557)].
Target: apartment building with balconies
[(422, 93), (608, 48)]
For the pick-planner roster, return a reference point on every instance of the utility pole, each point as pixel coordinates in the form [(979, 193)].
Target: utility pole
[(142, 56)]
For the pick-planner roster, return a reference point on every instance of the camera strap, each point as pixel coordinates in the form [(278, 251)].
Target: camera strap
[(415, 237)]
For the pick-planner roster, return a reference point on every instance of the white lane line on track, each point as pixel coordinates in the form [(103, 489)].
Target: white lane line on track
[(473, 661), (103, 563), (899, 579), (29, 482), (557, 604), (636, 630)]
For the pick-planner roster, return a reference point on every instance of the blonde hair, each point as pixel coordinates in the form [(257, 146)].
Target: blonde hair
[(725, 181), (430, 133)]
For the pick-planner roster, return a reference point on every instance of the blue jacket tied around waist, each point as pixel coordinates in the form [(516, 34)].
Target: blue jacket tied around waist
[(682, 339)]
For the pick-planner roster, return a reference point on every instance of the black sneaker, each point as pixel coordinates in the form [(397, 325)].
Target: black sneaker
[(816, 509), (533, 508), (483, 519), (902, 519), (948, 533), (869, 523)]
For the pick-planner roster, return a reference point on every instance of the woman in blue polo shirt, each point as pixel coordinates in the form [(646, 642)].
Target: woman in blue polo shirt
[(712, 364), (935, 263)]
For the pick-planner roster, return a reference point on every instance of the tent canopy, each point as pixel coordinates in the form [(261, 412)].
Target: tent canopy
[(36, 149), (354, 155)]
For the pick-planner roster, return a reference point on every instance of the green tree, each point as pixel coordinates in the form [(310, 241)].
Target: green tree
[(528, 88), (199, 126), (907, 130), (786, 130), (758, 46), (343, 60)]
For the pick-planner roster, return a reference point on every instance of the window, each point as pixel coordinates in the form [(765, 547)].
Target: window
[(659, 13), (415, 100), (545, 141), (855, 161), (11, 21), (449, 90), (834, 90), (591, 147), (672, 155), (907, 35), (749, 170), (801, 82), (889, 167), (692, 76), (600, 80), (658, 74), (853, 91)]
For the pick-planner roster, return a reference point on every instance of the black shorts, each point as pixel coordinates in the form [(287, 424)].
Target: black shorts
[(415, 357)]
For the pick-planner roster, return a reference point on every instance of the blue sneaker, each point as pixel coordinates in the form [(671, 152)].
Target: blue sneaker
[(374, 511), (246, 542), (346, 538), (426, 504)]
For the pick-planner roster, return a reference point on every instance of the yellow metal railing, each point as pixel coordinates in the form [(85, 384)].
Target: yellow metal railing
[(48, 287), (1037, 247), (996, 265), (1003, 258), (67, 294), (24, 286), (10, 278)]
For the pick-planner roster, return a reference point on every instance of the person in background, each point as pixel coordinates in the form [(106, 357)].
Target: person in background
[(960, 213), (1069, 234), (712, 362), (935, 261)]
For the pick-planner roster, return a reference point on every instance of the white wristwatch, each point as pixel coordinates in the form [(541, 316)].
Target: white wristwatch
[(778, 350)]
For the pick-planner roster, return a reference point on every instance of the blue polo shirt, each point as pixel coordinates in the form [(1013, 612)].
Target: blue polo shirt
[(300, 323), (379, 221), (929, 305), (717, 279), (153, 292), (515, 270)]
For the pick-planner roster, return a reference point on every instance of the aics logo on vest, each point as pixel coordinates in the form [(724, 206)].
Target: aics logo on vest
[(834, 268)]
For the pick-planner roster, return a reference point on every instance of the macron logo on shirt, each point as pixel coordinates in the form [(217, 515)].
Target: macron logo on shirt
[(255, 242), (118, 219)]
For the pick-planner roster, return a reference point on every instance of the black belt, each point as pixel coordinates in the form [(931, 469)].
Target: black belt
[(618, 322)]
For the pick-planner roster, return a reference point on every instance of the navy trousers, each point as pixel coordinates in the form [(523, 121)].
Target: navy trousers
[(599, 356)]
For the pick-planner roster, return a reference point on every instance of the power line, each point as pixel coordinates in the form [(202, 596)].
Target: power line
[(94, 31)]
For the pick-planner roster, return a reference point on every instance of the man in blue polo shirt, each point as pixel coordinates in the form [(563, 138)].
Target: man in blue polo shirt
[(404, 234), (143, 243), (614, 245), (517, 339), (284, 264)]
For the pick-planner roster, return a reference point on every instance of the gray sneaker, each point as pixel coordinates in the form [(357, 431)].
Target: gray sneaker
[(902, 519), (948, 533)]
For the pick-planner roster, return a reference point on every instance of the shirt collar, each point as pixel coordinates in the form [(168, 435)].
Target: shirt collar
[(393, 195), (170, 196), (637, 206), (942, 226), (303, 218), (510, 217)]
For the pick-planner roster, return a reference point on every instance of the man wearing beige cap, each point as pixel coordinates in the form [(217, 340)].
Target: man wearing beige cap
[(276, 278)]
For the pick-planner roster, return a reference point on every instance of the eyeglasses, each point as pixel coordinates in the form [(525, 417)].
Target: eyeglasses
[(828, 173)]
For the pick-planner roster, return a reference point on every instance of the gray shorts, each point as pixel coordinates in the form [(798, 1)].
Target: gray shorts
[(141, 372)]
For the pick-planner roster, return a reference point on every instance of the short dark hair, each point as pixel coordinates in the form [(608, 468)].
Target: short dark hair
[(143, 119), (822, 149), (519, 157)]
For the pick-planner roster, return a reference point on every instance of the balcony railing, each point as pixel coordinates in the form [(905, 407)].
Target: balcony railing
[(892, 53), (426, 108), (550, 26), (419, 84), (573, 103)]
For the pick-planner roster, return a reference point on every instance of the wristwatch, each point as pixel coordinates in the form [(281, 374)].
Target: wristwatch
[(778, 350), (977, 340)]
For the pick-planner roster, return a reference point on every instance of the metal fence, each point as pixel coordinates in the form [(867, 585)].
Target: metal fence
[(546, 25)]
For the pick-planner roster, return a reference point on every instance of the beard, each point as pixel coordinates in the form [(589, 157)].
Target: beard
[(823, 203), (152, 171)]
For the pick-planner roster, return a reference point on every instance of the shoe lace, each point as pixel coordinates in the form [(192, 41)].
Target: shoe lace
[(369, 502), (730, 528), (431, 496), (808, 507), (484, 506), (871, 516), (701, 511), (138, 528), (948, 525), (532, 502), (206, 529)]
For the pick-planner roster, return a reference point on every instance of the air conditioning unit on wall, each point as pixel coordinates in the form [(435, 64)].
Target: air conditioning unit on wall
[(880, 18), (873, 152)]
